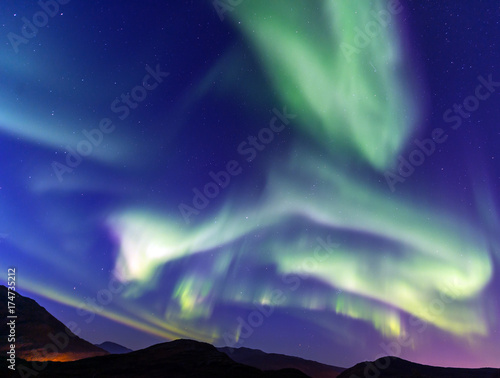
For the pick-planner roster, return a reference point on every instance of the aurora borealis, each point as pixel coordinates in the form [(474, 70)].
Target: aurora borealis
[(244, 200)]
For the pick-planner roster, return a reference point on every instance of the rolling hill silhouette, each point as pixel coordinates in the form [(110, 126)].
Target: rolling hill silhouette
[(176, 359), (393, 367), (273, 361), (75, 357)]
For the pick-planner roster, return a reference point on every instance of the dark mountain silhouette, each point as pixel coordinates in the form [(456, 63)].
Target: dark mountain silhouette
[(393, 367), (36, 329), (273, 361), (40, 336), (175, 359), (113, 348)]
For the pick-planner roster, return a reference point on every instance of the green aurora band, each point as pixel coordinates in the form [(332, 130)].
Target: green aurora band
[(417, 257), (356, 109), (355, 113), (393, 255)]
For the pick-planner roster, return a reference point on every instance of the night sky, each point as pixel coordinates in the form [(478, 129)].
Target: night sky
[(315, 178)]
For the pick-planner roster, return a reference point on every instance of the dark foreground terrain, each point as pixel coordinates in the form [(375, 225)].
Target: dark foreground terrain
[(187, 358), (392, 367), (273, 361), (72, 357), (36, 329), (180, 358)]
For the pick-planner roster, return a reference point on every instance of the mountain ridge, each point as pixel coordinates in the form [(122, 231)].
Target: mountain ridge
[(175, 359), (39, 335), (113, 348), (75, 357), (270, 361), (395, 367)]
